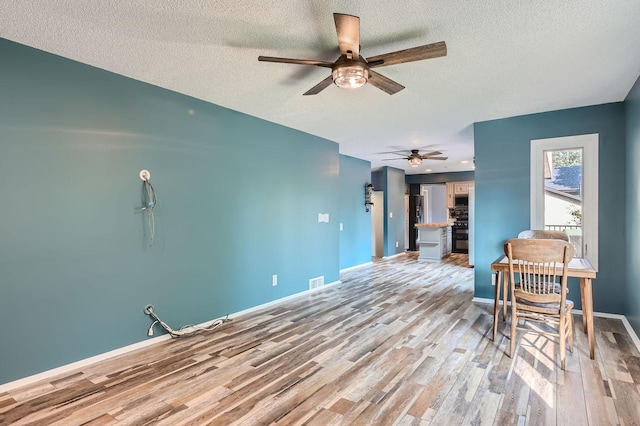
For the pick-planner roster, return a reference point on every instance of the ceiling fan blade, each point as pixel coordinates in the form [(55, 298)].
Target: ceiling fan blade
[(390, 159), (428, 51), (402, 153), (383, 83), (295, 61), (348, 31), (320, 86), (431, 154), (436, 158)]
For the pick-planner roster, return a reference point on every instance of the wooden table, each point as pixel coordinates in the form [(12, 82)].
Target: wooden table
[(578, 267)]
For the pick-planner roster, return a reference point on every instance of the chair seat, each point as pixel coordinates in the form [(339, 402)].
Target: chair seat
[(544, 308)]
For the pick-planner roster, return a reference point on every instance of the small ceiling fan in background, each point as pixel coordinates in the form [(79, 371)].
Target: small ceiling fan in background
[(414, 157), (351, 70)]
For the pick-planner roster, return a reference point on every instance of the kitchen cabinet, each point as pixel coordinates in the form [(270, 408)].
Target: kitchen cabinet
[(461, 188), (434, 241), (451, 199), (456, 189)]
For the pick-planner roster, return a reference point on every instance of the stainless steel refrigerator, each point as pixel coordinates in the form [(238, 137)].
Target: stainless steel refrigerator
[(416, 215)]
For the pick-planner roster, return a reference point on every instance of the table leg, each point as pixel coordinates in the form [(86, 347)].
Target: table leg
[(587, 311), (584, 312), (496, 305)]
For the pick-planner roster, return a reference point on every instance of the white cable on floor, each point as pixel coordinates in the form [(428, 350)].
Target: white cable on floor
[(185, 330)]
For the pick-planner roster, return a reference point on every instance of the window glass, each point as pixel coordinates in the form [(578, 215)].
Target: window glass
[(562, 174)]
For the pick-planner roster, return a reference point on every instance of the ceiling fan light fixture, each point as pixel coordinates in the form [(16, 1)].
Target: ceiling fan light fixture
[(415, 161), (350, 76)]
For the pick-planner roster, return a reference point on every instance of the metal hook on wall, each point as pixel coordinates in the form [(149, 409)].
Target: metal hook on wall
[(149, 201)]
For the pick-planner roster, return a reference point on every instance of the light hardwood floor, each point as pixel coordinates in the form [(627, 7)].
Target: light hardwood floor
[(399, 342)]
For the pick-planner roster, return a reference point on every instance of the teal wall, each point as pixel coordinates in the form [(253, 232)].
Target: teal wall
[(394, 190), (377, 180), (502, 153), (632, 104), (235, 205), (355, 237)]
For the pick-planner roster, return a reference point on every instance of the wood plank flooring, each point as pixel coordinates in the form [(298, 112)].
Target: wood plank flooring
[(398, 342)]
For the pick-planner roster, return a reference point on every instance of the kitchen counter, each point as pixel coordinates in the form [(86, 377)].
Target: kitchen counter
[(434, 240), (432, 225)]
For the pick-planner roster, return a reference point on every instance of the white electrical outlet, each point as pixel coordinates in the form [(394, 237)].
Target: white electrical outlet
[(274, 280), (341, 227), (396, 244), (390, 214)]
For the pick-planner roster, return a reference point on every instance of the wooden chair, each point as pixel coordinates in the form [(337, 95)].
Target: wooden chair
[(544, 234), (529, 233), (538, 282)]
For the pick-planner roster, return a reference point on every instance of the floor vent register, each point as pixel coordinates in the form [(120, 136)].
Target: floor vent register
[(316, 282)]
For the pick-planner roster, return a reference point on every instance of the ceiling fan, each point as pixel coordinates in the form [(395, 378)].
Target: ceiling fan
[(415, 158), (351, 70)]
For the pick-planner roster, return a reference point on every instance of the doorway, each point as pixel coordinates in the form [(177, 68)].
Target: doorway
[(377, 224)]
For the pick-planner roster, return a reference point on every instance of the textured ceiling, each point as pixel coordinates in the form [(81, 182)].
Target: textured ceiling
[(505, 58)]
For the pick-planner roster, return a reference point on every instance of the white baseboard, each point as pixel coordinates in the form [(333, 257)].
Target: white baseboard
[(351, 268), (143, 344), (82, 363), (631, 332), (625, 321), (482, 300), (284, 299)]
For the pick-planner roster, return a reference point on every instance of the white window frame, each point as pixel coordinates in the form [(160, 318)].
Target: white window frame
[(589, 145)]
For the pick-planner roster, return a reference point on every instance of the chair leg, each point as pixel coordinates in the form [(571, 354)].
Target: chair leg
[(570, 332), (496, 306), (514, 336), (563, 341)]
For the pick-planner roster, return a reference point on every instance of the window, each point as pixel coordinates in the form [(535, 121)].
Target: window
[(564, 190)]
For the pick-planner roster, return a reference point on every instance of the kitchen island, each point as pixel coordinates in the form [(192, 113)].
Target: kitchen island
[(434, 240)]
